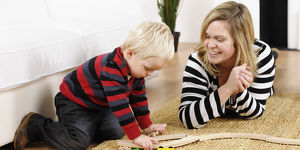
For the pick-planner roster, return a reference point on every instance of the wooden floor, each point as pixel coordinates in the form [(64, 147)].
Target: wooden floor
[(287, 77), (165, 86)]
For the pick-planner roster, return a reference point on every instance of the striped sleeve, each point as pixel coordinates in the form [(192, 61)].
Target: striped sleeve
[(139, 104), (115, 87), (251, 103), (197, 105)]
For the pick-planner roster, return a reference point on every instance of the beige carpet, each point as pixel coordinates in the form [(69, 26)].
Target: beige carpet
[(281, 119)]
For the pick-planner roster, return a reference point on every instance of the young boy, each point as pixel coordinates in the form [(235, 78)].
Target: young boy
[(105, 97)]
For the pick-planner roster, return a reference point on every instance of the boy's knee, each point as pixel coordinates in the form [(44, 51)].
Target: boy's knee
[(78, 140), (118, 134), (80, 144)]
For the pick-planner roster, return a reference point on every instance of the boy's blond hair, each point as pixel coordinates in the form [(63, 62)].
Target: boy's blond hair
[(151, 39), (239, 18)]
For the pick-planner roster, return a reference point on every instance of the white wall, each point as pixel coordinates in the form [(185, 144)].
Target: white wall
[(190, 19), (294, 24), (192, 13)]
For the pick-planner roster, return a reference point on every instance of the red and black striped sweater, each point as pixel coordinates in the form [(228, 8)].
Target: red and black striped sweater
[(102, 82)]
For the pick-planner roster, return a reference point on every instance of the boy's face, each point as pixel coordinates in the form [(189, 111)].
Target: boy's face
[(139, 67)]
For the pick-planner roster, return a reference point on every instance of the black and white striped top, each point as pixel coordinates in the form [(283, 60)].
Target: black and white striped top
[(200, 99)]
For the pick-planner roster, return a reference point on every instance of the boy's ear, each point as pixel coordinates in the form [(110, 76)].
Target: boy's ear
[(129, 53)]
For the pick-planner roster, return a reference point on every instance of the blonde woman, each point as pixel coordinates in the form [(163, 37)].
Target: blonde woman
[(230, 73)]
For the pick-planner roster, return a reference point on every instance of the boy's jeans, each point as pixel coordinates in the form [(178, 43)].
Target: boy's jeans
[(77, 126)]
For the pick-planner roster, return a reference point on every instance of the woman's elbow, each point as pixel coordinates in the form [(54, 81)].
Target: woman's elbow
[(253, 115), (190, 125)]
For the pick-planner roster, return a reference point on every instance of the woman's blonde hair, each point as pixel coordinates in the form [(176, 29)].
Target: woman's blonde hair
[(239, 19), (151, 39)]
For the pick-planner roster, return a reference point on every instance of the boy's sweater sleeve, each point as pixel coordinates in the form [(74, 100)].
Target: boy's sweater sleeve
[(115, 89), (139, 105)]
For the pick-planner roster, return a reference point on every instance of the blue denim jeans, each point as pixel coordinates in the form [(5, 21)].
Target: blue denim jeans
[(77, 127)]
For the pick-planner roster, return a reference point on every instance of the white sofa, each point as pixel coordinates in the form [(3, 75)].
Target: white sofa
[(43, 40)]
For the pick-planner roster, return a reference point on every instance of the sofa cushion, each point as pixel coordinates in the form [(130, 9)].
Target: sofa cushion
[(101, 9), (31, 50), (19, 11), (104, 24), (99, 36), (58, 35)]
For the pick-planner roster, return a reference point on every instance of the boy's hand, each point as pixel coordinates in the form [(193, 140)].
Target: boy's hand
[(156, 127), (145, 141)]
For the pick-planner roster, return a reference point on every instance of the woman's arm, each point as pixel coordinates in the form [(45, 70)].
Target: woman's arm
[(197, 105), (251, 102)]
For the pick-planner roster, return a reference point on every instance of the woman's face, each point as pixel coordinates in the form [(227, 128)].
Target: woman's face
[(220, 44)]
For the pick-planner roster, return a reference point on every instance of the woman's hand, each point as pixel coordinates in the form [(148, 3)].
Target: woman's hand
[(246, 78), (240, 78), (145, 141), (156, 127)]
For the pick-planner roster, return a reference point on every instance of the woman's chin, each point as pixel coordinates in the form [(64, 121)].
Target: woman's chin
[(213, 61)]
